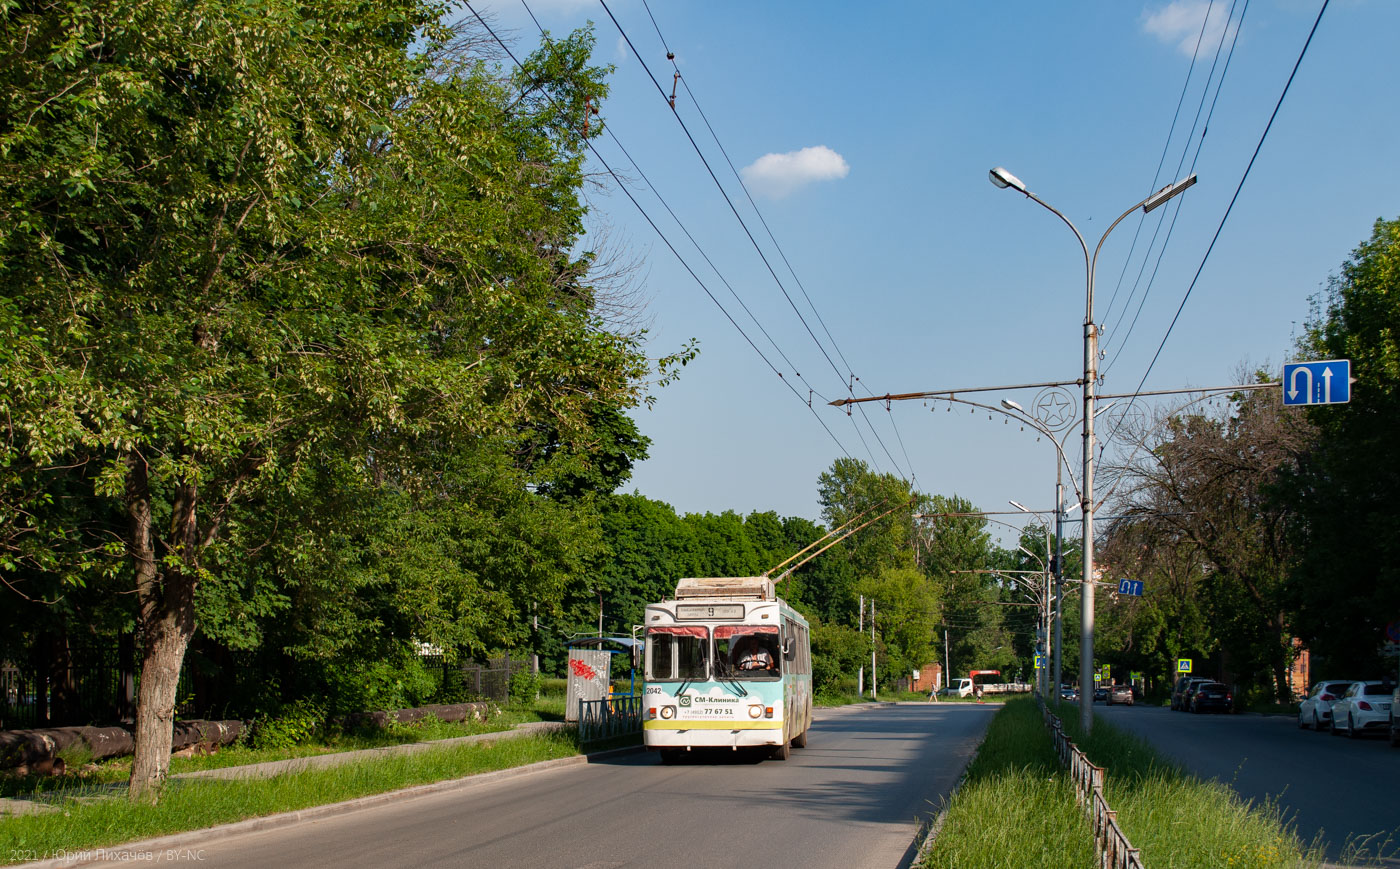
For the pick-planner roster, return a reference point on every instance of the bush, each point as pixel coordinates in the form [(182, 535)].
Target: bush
[(401, 682), (293, 724), (837, 652), (524, 687)]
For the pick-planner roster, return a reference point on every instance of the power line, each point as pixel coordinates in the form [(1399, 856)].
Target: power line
[(1233, 199), (1176, 211), (670, 56), (1161, 161), (667, 241)]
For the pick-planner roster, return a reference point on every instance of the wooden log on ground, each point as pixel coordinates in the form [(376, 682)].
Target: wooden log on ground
[(35, 748), (443, 712)]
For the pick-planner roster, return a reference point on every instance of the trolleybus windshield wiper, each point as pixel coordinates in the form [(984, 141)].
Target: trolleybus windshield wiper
[(732, 682)]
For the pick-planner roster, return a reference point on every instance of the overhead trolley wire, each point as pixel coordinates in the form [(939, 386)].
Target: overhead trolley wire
[(1233, 199), (850, 376), (1176, 212), (1161, 161), (668, 243), (730, 202)]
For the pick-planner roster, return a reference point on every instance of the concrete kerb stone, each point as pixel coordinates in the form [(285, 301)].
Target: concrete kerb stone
[(128, 851)]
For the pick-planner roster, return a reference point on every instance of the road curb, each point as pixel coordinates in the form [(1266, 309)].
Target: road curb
[(187, 843)]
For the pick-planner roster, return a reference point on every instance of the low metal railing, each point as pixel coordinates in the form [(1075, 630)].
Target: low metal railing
[(1113, 847), (605, 719)]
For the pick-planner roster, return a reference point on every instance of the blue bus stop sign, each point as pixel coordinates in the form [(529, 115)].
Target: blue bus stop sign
[(1326, 382)]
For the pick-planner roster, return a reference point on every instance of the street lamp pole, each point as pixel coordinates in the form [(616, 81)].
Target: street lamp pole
[(1003, 179), (1059, 559)]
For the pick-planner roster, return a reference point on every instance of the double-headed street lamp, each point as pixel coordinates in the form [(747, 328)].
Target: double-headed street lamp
[(1004, 179)]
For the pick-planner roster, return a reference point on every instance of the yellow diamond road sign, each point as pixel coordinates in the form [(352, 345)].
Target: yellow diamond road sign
[(1183, 665)]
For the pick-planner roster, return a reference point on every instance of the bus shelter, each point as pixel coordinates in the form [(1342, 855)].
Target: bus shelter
[(589, 692)]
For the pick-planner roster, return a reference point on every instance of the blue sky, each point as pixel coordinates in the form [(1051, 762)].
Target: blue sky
[(865, 133)]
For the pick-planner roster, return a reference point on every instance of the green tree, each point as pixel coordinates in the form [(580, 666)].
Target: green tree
[(242, 244), (1204, 491), (1346, 585), (906, 617)]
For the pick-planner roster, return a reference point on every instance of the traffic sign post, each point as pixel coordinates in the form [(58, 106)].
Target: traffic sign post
[(1325, 382)]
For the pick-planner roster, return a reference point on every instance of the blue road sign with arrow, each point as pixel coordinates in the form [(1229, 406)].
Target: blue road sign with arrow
[(1325, 382), (1131, 587)]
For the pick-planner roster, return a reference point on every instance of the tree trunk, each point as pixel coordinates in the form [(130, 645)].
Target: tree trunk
[(166, 621)]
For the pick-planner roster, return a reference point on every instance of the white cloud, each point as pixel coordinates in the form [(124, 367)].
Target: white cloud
[(1180, 22), (777, 175)]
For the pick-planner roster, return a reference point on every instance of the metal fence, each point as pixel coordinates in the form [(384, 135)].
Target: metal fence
[(489, 681), (1114, 849), (610, 717)]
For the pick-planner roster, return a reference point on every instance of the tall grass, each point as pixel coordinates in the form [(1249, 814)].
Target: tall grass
[(104, 817), (1178, 820), (1015, 808)]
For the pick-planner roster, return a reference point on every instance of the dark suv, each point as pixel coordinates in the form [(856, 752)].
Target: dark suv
[(1208, 696), (1185, 687)]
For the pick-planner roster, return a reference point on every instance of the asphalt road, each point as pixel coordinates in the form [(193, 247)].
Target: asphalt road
[(854, 798), (1337, 788)]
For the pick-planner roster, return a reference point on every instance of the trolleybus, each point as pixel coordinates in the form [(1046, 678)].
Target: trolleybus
[(728, 665)]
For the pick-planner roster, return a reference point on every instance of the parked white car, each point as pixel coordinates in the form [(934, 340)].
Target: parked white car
[(1365, 708), (1316, 709), (1395, 719)]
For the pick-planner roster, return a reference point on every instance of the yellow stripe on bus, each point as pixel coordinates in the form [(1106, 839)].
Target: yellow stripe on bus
[(711, 725)]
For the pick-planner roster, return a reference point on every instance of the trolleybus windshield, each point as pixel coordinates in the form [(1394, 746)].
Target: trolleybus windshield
[(747, 651), (678, 652)]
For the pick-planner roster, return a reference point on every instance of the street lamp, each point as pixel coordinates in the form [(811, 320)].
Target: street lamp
[(1043, 673), (1059, 560), (1004, 179)]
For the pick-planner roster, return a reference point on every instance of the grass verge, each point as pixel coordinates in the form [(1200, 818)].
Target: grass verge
[(1015, 807), (103, 817), (1178, 820), (84, 774)]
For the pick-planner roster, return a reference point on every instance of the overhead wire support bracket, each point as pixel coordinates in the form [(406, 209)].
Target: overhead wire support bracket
[(933, 393)]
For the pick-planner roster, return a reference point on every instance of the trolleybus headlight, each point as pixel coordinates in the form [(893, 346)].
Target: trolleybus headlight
[(755, 711), (668, 712)]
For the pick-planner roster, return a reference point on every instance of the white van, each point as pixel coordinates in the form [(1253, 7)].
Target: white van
[(958, 688)]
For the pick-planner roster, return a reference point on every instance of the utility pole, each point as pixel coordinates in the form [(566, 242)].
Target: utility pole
[(874, 683), (947, 658), (860, 628)]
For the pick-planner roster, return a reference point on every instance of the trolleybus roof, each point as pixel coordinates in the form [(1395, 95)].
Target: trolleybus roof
[(730, 587)]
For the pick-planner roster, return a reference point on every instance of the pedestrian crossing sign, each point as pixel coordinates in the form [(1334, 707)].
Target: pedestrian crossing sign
[(1183, 665)]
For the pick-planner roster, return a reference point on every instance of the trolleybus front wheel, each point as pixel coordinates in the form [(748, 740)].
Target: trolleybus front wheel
[(800, 740), (783, 751)]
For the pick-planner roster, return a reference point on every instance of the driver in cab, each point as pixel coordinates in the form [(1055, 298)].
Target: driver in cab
[(750, 655)]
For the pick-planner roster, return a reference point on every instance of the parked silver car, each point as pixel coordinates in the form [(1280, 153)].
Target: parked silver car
[(1316, 709)]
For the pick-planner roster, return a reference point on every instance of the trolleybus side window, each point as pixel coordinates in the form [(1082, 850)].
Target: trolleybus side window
[(678, 652)]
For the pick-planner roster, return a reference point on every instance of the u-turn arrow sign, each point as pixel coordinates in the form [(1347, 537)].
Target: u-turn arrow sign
[(1325, 382)]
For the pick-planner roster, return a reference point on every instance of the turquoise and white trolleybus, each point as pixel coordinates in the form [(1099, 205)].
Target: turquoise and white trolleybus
[(728, 665)]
